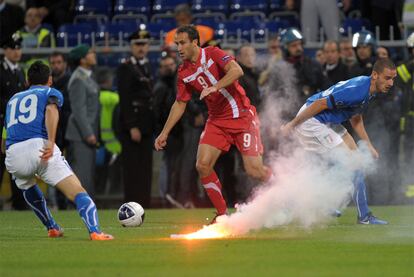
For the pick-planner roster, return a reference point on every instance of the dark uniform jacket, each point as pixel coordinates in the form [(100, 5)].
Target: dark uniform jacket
[(61, 84), (336, 74), (249, 81), (11, 82), (310, 77), (165, 92), (135, 94), (362, 67)]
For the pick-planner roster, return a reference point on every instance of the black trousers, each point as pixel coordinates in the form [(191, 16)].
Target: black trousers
[(188, 173), (137, 169), (172, 156), (384, 19)]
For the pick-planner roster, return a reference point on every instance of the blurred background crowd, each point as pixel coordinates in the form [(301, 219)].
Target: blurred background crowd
[(115, 63)]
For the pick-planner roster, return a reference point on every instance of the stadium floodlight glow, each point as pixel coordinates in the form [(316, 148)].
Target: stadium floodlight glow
[(297, 34)]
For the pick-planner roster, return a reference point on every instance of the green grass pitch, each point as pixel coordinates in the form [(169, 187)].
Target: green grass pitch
[(342, 248)]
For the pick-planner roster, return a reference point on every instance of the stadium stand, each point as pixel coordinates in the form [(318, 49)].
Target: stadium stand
[(214, 6), (70, 35), (248, 5), (166, 6)]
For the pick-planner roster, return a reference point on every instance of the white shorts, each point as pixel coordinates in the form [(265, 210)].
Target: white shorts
[(319, 137), (23, 162)]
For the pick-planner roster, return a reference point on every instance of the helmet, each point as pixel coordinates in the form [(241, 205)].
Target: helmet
[(289, 35), (410, 41), (364, 38), (286, 36)]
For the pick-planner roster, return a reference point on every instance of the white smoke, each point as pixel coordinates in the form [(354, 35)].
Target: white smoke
[(306, 188)]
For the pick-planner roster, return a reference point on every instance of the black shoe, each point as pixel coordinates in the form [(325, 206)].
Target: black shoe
[(214, 220)]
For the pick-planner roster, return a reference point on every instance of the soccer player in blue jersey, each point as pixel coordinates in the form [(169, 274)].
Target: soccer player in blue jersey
[(31, 122), (318, 123)]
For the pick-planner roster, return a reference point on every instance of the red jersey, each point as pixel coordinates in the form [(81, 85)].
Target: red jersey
[(228, 103)]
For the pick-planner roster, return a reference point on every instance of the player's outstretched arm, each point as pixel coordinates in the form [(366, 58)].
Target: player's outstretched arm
[(357, 124), (51, 122), (233, 73), (176, 112), (312, 110)]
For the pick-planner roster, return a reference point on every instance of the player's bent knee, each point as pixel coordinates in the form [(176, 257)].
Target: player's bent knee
[(70, 187), (204, 169)]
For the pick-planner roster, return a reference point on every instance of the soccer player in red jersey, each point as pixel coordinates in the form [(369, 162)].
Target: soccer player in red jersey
[(231, 118)]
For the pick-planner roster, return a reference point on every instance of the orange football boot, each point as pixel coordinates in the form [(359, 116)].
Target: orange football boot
[(100, 236), (55, 233)]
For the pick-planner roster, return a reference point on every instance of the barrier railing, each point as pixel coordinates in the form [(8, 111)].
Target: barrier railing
[(257, 38)]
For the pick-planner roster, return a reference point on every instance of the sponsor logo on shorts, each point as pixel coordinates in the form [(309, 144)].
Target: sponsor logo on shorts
[(328, 139)]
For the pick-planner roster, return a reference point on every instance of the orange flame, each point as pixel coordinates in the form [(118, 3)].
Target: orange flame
[(208, 232)]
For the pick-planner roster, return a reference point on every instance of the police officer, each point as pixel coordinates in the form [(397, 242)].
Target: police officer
[(405, 85), (309, 73), (135, 86), (12, 80), (297, 76), (364, 44), (290, 82)]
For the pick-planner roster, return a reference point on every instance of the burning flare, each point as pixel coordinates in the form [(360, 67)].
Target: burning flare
[(218, 230)]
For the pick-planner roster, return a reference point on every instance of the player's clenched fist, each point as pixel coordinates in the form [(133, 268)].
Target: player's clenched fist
[(160, 142), (207, 92)]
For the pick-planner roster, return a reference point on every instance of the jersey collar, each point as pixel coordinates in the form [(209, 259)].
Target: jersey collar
[(38, 86)]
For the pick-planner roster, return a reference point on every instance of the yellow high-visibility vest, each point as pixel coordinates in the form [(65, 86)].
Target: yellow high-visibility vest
[(109, 100)]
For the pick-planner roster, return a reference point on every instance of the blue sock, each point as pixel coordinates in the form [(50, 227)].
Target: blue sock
[(34, 197), (360, 195), (87, 210)]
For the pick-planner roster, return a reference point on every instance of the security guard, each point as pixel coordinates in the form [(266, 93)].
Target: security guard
[(33, 34), (135, 86), (12, 80), (108, 170)]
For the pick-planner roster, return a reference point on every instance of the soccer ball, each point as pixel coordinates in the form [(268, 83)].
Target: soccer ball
[(131, 214)]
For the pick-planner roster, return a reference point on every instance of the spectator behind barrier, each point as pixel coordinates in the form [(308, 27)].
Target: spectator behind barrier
[(183, 17), (32, 33), (334, 69)]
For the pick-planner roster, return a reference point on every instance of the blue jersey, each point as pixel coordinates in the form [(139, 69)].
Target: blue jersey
[(345, 99), (25, 113)]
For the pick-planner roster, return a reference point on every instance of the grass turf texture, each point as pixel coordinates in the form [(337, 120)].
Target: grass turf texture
[(341, 248)]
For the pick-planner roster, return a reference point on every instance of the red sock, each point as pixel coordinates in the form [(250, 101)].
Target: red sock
[(212, 186)]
